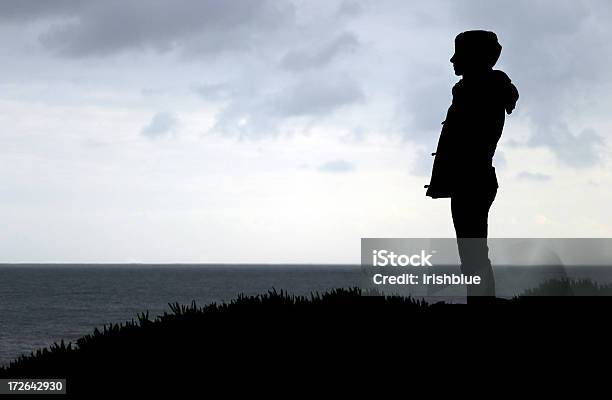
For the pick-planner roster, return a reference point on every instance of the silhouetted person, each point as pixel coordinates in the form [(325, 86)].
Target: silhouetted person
[(463, 167)]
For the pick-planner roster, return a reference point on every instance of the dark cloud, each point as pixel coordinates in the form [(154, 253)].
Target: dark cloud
[(17, 11), (162, 124), (349, 8), (337, 166), (556, 52), (99, 28), (346, 42), (533, 176)]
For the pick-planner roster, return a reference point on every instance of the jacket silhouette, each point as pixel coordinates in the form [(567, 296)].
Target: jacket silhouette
[(474, 121)]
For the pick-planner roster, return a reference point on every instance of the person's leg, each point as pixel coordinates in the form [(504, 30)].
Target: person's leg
[(470, 217), (470, 213)]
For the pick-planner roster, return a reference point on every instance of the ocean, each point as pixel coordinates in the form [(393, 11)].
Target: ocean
[(42, 304)]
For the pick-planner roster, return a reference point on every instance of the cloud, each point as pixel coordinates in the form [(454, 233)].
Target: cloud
[(18, 11), (533, 176), (349, 9), (422, 110), (83, 29), (162, 124), (337, 166), (257, 111), (315, 97), (213, 91), (557, 56), (78, 73), (575, 150), (344, 43)]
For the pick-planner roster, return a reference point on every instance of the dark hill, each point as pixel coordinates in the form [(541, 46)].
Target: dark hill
[(256, 343)]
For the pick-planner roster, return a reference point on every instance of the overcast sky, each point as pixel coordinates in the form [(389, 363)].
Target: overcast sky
[(283, 131)]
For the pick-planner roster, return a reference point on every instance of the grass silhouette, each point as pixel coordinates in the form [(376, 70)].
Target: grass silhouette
[(237, 338), (570, 287)]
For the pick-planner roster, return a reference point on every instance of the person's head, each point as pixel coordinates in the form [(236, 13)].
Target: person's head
[(475, 52)]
